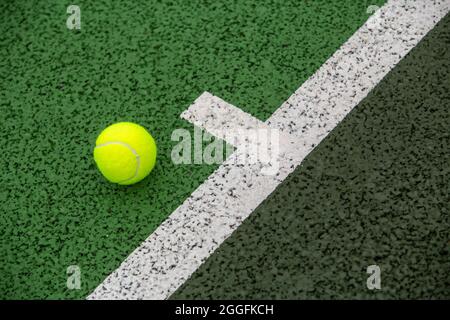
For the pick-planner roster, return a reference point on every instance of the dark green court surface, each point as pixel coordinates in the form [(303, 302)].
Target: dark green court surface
[(375, 192)]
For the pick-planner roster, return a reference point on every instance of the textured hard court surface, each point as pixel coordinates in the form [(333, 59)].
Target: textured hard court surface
[(374, 192), (137, 61)]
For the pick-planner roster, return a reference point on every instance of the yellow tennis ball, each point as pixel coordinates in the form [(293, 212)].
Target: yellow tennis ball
[(125, 153)]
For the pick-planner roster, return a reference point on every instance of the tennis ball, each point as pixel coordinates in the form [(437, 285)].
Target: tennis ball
[(125, 153)]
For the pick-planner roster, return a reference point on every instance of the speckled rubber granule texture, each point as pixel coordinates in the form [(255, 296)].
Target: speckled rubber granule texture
[(140, 61), (374, 192)]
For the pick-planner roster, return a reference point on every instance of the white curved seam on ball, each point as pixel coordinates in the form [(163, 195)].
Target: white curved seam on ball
[(126, 145)]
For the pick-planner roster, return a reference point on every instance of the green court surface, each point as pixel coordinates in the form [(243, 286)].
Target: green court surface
[(140, 61), (374, 192)]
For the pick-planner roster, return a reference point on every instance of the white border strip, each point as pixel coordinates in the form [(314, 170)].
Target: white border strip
[(168, 257)]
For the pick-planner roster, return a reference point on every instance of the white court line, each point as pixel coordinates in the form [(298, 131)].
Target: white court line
[(222, 119), (168, 257)]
